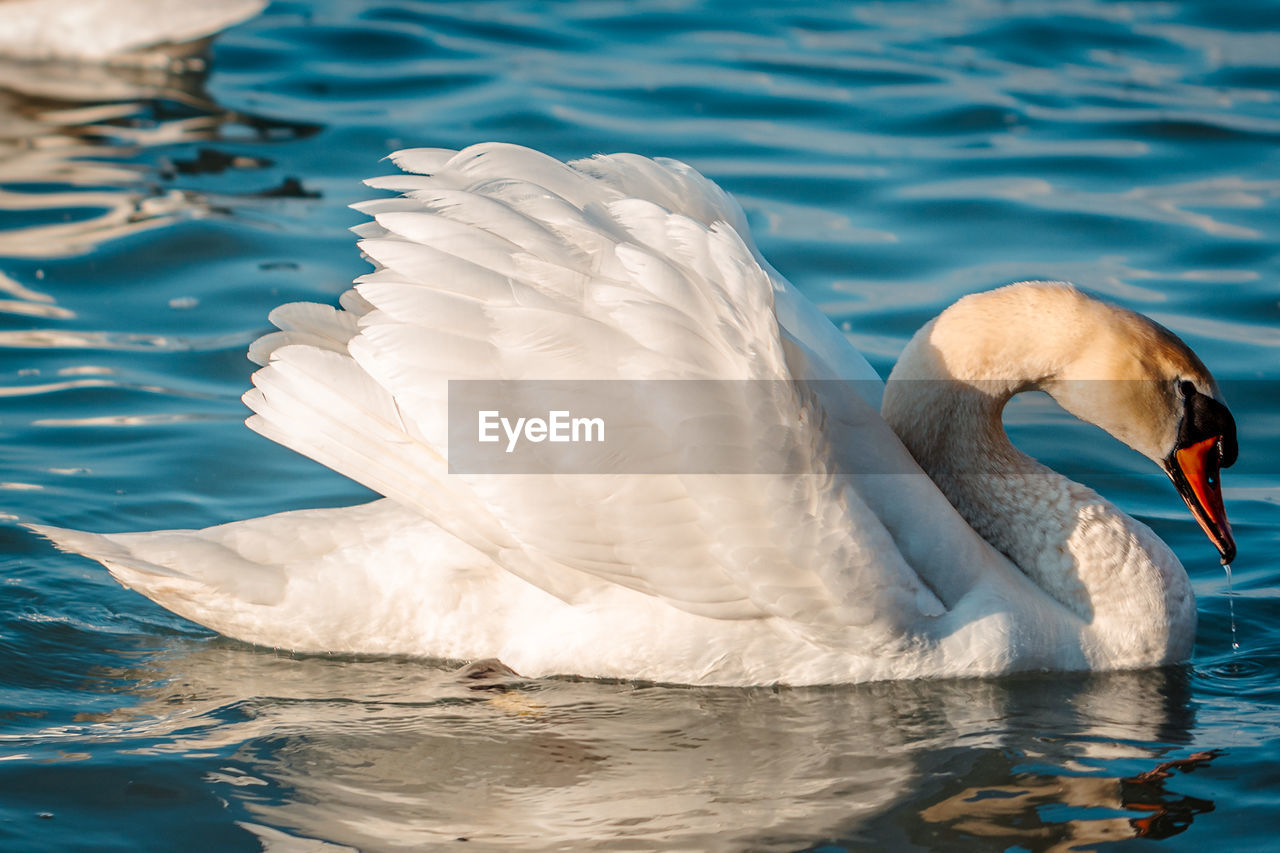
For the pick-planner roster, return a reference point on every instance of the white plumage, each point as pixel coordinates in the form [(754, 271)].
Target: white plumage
[(123, 31), (498, 262)]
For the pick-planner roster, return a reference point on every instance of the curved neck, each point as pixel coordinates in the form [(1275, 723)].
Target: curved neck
[(1023, 508), (945, 398)]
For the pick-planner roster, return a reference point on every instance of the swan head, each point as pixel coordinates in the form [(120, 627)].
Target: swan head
[(1106, 365), (1206, 443), (1143, 384)]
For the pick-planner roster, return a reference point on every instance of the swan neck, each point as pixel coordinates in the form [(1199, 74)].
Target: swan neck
[(956, 433), (945, 399), (946, 396)]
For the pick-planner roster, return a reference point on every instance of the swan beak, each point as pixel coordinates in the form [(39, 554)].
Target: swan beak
[(1194, 470)]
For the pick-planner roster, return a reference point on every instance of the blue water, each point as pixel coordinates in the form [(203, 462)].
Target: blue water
[(891, 157)]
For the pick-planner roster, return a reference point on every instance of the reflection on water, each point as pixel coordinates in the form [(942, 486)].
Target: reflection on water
[(85, 163), (71, 153), (1138, 806), (65, 150), (403, 755)]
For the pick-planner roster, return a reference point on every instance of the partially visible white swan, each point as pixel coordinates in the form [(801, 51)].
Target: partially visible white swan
[(126, 31), (843, 562)]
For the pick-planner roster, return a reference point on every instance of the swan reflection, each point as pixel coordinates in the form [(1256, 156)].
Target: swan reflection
[(1138, 806), (79, 164), (74, 172), (66, 149), (387, 754)]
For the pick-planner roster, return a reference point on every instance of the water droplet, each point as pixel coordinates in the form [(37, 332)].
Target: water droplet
[(1231, 606)]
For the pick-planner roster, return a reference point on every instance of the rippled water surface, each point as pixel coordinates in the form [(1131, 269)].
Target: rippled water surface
[(891, 157)]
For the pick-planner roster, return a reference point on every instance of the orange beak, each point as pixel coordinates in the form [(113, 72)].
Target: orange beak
[(1194, 470)]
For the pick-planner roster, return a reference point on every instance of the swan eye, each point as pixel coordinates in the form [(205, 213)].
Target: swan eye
[(1187, 387)]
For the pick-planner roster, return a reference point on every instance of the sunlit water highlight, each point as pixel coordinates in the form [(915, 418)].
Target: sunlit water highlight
[(891, 158)]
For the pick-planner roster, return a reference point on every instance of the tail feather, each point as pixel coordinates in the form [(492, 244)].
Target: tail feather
[(147, 562), (311, 580)]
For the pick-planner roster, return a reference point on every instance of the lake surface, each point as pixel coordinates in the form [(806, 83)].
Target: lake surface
[(891, 157)]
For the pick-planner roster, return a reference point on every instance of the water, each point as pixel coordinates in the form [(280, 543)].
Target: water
[(891, 158)]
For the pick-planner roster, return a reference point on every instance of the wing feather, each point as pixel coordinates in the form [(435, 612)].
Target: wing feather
[(502, 263)]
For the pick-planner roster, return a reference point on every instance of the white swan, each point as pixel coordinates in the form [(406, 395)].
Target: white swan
[(146, 32), (840, 561)]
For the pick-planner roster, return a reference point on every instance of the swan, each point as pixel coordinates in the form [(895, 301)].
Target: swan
[(848, 544), (141, 32)]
